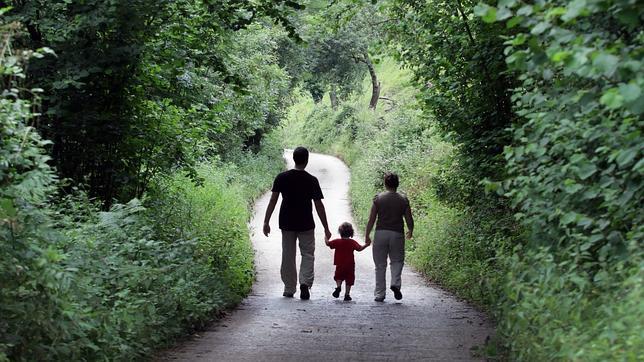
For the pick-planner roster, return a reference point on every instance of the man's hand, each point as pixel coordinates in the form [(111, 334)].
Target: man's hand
[(319, 207), (327, 235), (409, 234), (367, 240), (269, 212)]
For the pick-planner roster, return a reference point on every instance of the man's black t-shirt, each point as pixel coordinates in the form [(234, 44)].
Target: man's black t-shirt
[(298, 188)]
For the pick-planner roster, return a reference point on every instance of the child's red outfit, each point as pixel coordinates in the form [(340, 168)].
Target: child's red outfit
[(345, 265)]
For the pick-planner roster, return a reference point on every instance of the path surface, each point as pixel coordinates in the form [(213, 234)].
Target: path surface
[(428, 324)]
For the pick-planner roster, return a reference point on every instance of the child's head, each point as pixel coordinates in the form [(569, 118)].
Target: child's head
[(346, 230)]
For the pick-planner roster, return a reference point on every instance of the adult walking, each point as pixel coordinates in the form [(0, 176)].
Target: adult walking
[(387, 212), (298, 188)]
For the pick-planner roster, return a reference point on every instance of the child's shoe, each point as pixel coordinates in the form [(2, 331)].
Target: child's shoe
[(347, 297), (336, 293)]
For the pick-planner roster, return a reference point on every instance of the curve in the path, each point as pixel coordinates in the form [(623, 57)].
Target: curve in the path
[(428, 324)]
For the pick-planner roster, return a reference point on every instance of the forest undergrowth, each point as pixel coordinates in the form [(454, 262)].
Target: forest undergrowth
[(83, 277)]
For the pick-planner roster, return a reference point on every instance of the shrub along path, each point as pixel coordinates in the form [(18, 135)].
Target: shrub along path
[(428, 324)]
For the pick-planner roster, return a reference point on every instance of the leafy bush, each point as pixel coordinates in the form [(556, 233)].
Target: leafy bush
[(33, 285), (80, 284), (576, 178), (128, 280)]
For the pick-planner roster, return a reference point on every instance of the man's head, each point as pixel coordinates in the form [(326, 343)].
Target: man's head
[(391, 180), (346, 230), (301, 156)]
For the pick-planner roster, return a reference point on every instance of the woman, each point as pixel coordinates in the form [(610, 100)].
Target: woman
[(389, 208)]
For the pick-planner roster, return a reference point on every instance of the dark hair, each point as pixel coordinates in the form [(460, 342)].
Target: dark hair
[(391, 180), (301, 156), (346, 230)]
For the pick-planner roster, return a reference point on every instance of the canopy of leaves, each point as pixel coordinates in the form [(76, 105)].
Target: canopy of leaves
[(121, 84)]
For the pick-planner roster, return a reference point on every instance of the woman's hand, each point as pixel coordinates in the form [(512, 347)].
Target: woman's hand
[(267, 229), (367, 240), (409, 234)]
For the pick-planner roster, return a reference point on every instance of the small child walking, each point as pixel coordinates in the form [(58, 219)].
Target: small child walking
[(345, 265)]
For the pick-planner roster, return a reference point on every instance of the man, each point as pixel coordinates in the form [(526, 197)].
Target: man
[(298, 188)]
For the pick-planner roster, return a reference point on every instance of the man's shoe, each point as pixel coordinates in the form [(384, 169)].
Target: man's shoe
[(347, 297), (336, 292), (379, 299), (397, 293), (288, 295), (304, 292)]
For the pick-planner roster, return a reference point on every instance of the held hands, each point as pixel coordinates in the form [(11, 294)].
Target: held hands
[(327, 236), (267, 229), (367, 241)]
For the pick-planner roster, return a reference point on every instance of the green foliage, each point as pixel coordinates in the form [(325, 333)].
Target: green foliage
[(340, 42), (130, 279), (553, 311), (127, 95), (576, 178), (80, 284), (458, 66), (33, 285)]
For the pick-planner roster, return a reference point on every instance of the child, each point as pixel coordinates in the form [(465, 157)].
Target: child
[(345, 266)]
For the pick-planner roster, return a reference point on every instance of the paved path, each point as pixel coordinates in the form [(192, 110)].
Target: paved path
[(428, 324)]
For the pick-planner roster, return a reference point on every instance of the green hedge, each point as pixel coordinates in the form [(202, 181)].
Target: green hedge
[(77, 283), (575, 177), (80, 284)]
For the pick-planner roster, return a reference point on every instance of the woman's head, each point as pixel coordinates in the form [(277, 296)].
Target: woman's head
[(346, 230), (391, 180)]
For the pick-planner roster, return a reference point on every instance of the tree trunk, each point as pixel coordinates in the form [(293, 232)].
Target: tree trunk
[(333, 97), (375, 92)]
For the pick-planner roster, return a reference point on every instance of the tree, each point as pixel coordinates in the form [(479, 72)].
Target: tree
[(458, 64), (339, 38), (94, 83)]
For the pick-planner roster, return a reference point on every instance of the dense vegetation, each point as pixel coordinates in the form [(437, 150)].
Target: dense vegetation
[(127, 125), (517, 132), (131, 149)]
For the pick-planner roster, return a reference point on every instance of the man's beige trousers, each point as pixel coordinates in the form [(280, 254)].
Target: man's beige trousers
[(307, 250)]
